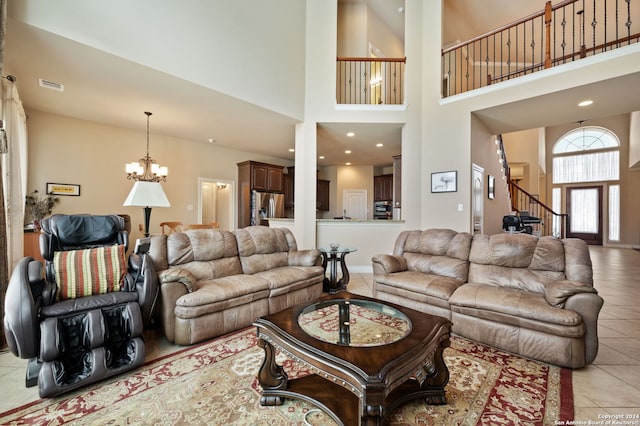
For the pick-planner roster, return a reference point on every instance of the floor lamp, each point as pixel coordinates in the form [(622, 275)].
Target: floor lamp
[(147, 195)]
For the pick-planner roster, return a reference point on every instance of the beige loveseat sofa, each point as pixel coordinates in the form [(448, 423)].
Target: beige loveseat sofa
[(528, 295), (213, 282)]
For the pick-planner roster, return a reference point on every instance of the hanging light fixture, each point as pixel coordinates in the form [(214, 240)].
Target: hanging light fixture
[(146, 169)]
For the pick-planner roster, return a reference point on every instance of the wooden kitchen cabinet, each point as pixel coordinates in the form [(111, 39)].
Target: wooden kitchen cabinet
[(383, 188), (322, 195), (322, 191), (288, 188), (32, 245), (265, 177), (255, 176)]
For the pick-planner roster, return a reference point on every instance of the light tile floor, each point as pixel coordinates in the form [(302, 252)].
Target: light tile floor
[(610, 386)]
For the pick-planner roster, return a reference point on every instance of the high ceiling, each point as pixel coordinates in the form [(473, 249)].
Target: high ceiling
[(107, 88)]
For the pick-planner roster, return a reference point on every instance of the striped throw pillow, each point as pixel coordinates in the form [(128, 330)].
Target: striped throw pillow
[(86, 272)]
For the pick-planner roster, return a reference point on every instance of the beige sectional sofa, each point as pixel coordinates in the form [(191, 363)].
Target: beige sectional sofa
[(528, 295), (213, 282)]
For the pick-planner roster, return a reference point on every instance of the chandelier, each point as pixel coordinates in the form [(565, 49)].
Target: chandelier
[(146, 169)]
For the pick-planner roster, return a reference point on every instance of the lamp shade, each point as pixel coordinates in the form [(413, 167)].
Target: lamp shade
[(147, 194)]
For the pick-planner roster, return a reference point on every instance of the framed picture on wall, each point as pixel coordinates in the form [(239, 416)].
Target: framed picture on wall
[(63, 189), (444, 181), (491, 189)]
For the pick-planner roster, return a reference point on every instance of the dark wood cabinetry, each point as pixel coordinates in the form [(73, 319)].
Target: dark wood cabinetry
[(322, 191), (383, 188), (262, 177), (266, 177), (288, 187), (322, 195)]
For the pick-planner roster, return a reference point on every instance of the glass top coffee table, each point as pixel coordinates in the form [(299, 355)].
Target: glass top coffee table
[(367, 357)]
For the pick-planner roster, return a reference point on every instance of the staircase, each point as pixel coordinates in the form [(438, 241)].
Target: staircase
[(552, 223)]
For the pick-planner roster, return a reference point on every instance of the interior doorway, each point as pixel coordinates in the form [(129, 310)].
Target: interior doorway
[(584, 205), (216, 202)]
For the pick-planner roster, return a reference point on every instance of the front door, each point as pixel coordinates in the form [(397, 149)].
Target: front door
[(584, 205)]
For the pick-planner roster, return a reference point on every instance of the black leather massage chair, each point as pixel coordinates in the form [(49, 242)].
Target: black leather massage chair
[(79, 318)]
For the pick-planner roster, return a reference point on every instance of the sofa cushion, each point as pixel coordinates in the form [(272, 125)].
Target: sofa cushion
[(262, 248), (81, 273), (438, 242), (510, 306), (518, 261), (221, 293), (437, 251), (289, 278), (304, 257), (421, 283), (205, 253)]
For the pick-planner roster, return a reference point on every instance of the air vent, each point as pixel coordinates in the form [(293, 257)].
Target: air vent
[(47, 84)]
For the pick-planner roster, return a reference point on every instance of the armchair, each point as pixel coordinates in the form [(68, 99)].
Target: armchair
[(79, 318)]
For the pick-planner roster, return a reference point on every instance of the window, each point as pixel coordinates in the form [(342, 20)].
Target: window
[(587, 154), (614, 212)]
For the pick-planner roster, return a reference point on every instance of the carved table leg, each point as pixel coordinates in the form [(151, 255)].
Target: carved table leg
[(437, 376), (271, 375), (345, 272)]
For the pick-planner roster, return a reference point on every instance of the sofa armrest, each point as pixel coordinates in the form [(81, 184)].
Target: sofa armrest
[(584, 300), (387, 264), (558, 292), (304, 257), (588, 306), (179, 275)]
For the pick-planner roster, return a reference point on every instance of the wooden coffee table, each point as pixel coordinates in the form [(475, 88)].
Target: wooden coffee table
[(367, 357)]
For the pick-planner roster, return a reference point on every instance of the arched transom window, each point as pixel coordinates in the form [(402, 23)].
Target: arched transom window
[(587, 154)]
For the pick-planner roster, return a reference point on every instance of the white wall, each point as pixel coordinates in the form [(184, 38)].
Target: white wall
[(252, 55)]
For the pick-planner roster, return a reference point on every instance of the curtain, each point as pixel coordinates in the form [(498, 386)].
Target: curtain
[(14, 170)]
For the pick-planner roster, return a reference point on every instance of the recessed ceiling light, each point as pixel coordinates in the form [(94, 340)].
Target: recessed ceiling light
[(292, 150), (347, 164), (348, 151), (351, 134), (585, 103), (321, 157), (379, 145)]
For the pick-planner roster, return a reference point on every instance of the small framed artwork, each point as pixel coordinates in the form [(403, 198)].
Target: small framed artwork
[(63, 189), (491, 193), (444, 181)]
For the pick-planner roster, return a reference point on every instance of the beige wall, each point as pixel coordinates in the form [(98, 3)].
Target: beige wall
[(67, 150), (522, 150), (483, 153)]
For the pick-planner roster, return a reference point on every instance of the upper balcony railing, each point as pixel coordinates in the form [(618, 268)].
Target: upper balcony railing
[(566, 32), (370, 81)]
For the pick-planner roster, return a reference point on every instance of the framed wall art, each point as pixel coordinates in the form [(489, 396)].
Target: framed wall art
[(491, 189), (63, 189), (444, 181)]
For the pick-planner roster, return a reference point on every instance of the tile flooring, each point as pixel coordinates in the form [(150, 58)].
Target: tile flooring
[(610, 386)]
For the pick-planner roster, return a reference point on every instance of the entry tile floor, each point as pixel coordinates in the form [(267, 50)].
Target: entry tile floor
[(610, 386)]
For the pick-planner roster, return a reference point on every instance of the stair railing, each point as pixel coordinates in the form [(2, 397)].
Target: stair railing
[(561, 33), (552, 223)]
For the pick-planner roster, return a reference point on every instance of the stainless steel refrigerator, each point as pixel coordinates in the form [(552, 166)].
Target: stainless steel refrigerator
[(265, 205)]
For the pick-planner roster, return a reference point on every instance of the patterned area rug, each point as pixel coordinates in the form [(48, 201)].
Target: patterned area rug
[(215, 384)]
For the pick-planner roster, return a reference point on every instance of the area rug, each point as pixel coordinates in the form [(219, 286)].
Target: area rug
[(215, 384)]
